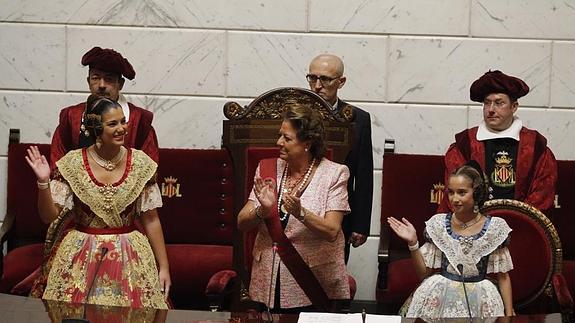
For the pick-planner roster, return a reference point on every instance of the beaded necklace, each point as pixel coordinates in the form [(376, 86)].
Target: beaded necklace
[(465, 225), (281, 210), (108, 165)]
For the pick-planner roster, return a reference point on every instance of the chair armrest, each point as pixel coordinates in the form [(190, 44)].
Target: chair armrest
[(219, 282), (219, 287), (562, 294)]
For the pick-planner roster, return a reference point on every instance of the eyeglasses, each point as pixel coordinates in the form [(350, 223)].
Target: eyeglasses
[(497, 104), (324, 80)]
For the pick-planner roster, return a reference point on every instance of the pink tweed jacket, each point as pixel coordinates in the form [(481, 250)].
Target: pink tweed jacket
[(327, 191)]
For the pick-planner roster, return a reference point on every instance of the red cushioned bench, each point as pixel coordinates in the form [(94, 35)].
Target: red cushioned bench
[(197, 219)]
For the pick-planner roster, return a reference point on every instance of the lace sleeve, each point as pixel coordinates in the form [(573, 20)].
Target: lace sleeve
[(149, 199), (431, 255), (499, 261), (61, 194)]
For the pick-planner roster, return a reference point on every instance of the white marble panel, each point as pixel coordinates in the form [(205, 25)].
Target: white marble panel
[(551, 19), (34, 113), (3, 187), (166, 61), (186, 122), (417, 129), (563, 75), (32, 56), (376, 206), (557, 125), (262, 61), (441, 70), (421, 17), (254, 15), (362, 265)]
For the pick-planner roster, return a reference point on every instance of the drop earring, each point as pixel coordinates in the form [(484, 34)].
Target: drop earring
[(475, 208), (98, 143)]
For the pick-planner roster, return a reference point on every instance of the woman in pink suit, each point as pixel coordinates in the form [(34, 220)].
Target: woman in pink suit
[(297, 204)]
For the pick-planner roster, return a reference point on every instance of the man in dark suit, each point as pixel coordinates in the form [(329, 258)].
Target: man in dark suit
[(325, 78)]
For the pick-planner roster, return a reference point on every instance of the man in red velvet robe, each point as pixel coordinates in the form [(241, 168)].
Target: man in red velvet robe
[(516, 159), (107, 69)]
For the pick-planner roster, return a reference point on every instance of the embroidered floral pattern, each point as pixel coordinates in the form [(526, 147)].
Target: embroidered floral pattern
[(440, 297)]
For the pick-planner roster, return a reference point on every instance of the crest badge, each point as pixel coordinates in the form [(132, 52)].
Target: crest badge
[(503, 173), (436, 193), (170, 187)]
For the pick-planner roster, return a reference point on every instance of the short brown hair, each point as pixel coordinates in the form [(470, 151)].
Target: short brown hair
[(309, 127)]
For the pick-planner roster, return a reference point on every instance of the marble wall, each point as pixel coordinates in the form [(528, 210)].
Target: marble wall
[(409, 63)]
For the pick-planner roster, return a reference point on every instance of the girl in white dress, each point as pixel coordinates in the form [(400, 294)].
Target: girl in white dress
[(463, 243)]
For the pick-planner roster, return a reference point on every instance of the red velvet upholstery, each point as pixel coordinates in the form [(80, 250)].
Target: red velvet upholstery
[(531, 254), (197, 219), (19, 264), (24, 231), (407, 189)]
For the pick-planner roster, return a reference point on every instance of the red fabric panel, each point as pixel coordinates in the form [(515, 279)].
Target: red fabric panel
[(18, 264), (204, 212), (22, 201), (531, 254), (191, 267), (402, 281), (564, 297), (562, 217), (406, 190), (352, 286), (569, 274)]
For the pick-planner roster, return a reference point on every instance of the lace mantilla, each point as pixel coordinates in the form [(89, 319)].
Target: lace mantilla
[(107, 201), (467, 251)]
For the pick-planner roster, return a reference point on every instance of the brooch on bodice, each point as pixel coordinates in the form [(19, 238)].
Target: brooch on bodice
[(108, 191), (466, 244)]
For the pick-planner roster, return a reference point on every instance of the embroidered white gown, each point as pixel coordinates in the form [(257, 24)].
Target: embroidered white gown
[(441, 295)]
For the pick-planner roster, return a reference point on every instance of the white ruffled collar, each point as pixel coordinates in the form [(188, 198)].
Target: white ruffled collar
[(484, 133)]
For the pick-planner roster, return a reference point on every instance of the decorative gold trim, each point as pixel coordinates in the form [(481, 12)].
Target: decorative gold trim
[(271, 105), (550, 231)]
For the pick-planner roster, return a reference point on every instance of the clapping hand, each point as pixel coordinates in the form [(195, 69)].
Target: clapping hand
[(292, 204), (39, 164), (265, 191), (404, 229)]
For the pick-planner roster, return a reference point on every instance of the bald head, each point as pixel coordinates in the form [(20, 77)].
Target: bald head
[(328, 61), (326, 71)]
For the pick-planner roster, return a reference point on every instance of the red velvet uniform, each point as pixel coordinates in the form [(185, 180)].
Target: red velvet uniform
[(141, 135), (536, 172)]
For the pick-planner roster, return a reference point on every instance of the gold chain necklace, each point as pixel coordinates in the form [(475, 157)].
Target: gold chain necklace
[(465, 225), (108, 165)]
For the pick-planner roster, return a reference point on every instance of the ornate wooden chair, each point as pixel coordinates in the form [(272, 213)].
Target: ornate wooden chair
[(250, 134)]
